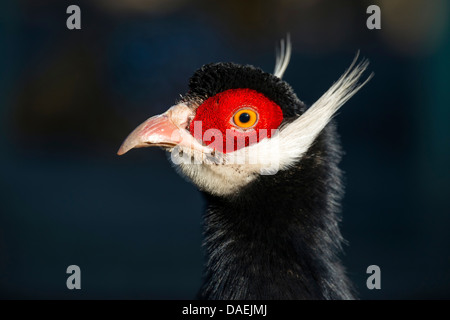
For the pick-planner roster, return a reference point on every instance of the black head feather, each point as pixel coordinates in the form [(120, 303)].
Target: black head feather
[(214, 78)]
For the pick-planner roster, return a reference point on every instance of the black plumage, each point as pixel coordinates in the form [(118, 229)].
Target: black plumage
[(277, 237)]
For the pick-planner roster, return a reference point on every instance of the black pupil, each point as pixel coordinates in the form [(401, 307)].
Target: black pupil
[(244, 117)]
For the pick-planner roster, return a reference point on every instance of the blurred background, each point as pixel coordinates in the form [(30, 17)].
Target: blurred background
[(68, 98)]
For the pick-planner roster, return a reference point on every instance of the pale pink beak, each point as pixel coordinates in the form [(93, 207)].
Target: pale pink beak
[(168, 130)]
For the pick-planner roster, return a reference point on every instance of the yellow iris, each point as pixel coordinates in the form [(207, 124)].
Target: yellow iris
[(245, 118)]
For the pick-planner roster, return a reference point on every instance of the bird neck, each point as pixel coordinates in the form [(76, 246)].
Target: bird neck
[(278, 238)]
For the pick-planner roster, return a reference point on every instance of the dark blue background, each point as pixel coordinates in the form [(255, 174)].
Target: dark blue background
[(69, 98)]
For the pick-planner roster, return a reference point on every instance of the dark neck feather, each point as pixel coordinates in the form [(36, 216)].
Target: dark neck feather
[(279, 237)]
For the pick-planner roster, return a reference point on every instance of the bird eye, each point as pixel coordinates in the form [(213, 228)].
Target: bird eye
[(245, 118)]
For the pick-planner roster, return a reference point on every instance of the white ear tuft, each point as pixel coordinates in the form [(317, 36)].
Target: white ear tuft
[(293, 140), (298, 136), (283, 55)]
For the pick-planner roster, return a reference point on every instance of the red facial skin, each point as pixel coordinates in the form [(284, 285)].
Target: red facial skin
[(217, 113)]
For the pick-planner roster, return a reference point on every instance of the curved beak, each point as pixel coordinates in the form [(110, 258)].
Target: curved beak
[(166, 130)]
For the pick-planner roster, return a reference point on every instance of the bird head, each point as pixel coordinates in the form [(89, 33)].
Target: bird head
[(238, 122)]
